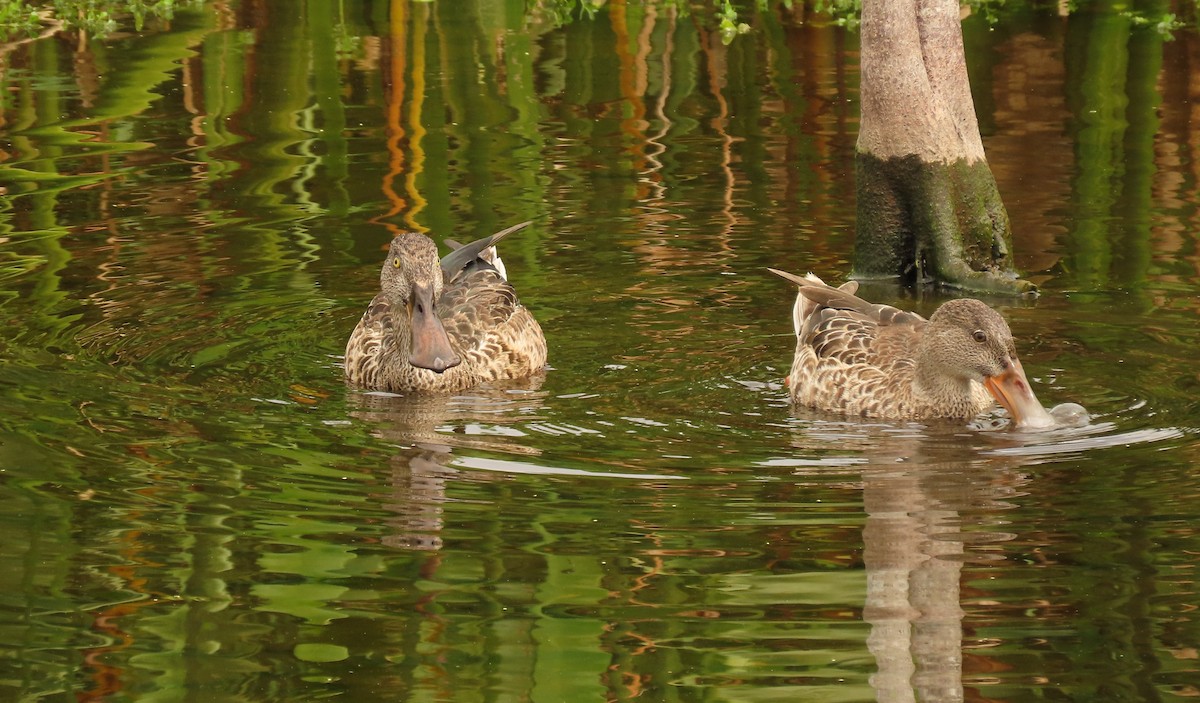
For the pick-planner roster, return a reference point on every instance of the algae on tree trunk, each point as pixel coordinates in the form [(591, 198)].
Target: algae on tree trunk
[(928, 206)]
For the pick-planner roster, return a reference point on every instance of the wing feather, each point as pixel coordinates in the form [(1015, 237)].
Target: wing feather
[(475, 305), (840, 327), (469, 254)]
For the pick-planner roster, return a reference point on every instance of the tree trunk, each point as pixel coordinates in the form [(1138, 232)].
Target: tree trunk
[(928, 206)]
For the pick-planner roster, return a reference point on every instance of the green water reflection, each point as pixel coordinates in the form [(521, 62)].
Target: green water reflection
[(194, 507)]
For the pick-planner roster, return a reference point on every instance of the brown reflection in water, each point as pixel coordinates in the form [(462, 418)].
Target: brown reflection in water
[(428, 429), (1030, 154), (824, 108), (632, 81), (1177, 155), (919, 493), (1036, 159), (912, 590), (399, 183), (52, 26), (803, 119), (118, 622), (804, 122)]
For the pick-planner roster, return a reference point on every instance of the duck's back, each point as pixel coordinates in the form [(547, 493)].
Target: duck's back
[(494, 334), (855, 362)]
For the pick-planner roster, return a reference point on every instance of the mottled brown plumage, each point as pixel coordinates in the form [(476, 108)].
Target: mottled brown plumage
[(443, 326), (874, 360)]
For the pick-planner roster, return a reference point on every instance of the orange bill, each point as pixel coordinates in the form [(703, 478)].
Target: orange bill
[(1011, 389), (430, 343)]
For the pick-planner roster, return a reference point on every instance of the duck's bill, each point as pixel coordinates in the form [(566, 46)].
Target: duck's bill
[(430, 343), (1011, 389)]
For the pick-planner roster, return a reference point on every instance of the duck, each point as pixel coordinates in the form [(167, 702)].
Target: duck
[(443, 325), (859, 358)]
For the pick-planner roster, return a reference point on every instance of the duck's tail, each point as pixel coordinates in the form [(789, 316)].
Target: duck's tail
[(484, 248), (492, 256), (805, 305)]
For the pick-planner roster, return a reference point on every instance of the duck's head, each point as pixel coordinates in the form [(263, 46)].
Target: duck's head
[(967, 339), (412, 278)]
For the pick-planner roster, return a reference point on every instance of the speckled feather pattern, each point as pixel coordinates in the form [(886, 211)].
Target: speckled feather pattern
[(495, 336), (860, 358)]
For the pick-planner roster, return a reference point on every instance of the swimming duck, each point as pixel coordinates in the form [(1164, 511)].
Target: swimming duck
[(443, 326), (875, 360)]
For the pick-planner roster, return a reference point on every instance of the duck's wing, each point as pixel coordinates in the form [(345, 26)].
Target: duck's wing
[(839, 325), (371, 344), (471, 255), (844, 298), (488, 256), (479, 308)]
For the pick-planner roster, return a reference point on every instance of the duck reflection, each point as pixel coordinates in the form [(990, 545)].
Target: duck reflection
[(928, 493), (427, 430)]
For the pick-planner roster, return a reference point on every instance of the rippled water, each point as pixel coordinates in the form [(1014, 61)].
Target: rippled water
[(194, 507)]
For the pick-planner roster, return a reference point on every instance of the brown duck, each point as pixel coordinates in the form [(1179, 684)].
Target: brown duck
[(439, 326), (874, 360)]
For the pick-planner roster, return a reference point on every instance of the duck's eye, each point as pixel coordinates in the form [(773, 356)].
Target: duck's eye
[(396, 262), (980, 336)]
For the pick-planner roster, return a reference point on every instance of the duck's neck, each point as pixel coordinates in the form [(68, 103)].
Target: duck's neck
[(933, 383)]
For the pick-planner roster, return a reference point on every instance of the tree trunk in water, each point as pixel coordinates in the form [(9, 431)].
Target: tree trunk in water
[(928, 206)]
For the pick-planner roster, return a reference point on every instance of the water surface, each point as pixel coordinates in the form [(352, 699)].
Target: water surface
[(194, 506)]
